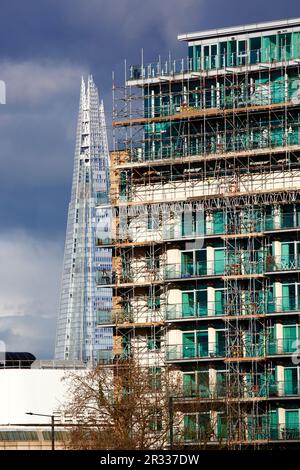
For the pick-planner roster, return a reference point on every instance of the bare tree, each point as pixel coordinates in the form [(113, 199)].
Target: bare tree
[(124, 406)]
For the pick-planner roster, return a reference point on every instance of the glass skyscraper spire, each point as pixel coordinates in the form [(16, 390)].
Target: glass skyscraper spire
[(82, 302)]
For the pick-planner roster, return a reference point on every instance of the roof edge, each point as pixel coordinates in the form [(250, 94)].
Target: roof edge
[(210, 33)]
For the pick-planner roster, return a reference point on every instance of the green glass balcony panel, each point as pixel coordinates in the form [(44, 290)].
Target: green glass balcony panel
[(190, 432), (274, 428), (220, 343), (103, 316), (288, 297), (287, 218), (285, 46), (255, 50), (221, 384), (272, 386), (188, 270), (255, 345), (200, 268), (171, 271), (222, 427), (189, 384), (204, 427), (289, 339), (104, 356), (195, 344), (203, 384), (188, 345), (269, 48), (258, 428), (218, 222), (292, 429), (219, 302), (219, 261), (291, 384), (201, 303)]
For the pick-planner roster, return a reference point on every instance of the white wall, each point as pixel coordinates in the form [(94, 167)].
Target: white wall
[(35, 390)]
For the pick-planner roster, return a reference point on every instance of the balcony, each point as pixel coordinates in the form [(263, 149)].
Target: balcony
[(184, 311), (282, 263), (213, 62), (264, 223), (282, 347), (259, 349), (105, 278), (245, 390), (217, 268), (104, 317), (234, 308), (268, 432), (190, 270), (204, 350), (204, 149)]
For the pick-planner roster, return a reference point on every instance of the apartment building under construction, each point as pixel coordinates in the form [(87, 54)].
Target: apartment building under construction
[(205, 194)]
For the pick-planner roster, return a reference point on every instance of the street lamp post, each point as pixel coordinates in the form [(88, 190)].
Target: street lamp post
[(52, 426)]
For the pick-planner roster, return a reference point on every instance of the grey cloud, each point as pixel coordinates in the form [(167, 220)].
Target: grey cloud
[(34, 83), (29, 286)]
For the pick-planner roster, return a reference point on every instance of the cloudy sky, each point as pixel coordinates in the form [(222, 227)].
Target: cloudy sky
[(45, 47)]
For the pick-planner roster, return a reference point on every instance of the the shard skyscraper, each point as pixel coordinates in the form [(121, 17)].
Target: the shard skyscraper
[(89, 216)]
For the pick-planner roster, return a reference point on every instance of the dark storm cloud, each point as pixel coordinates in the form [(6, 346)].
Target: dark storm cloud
[(45, 46)]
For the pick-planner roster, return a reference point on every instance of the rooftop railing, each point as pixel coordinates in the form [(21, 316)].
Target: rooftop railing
[(212, 62)]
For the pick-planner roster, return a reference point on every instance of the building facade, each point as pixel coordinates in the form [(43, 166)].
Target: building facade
[(205, 189), (83, 304)]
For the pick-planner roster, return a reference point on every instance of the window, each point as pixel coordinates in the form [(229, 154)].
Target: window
[(241, 57), (155, 421), (292, 424), (255, 50), (194, 303), (155, 378), (154, 341), (290, 337), (291, 381), (219, 301), (197, 426), (218, 222), (153, 299), (223, 52), (195, 344), (196, 384), (193, 263), (219, 261)]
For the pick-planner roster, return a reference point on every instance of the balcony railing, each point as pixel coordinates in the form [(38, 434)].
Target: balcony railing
[(209, 147), (282, 263), (244, 390), (104, 317), (235, 307), (203, 350), (105, 278), (213, 268), (268, 432), (264, 223), (185, 310), (188, 270), (249, 350)]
